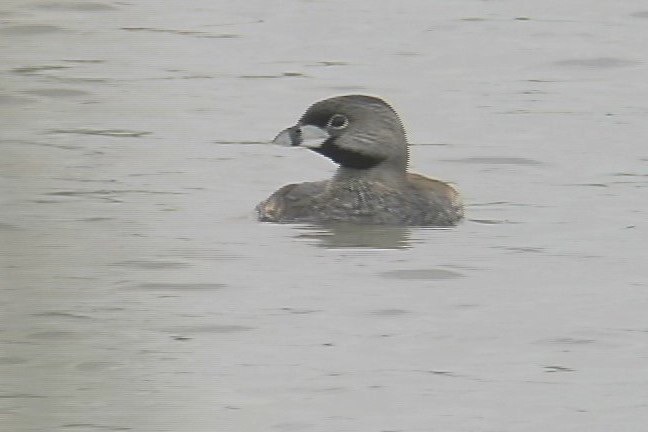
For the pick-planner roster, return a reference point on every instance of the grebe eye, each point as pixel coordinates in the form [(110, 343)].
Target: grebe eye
[(338, 121)]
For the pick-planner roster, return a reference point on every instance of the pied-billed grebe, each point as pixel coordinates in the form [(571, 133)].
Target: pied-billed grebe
[(364, 135)]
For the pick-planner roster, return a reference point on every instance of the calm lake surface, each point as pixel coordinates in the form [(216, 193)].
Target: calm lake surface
[(139, 293)]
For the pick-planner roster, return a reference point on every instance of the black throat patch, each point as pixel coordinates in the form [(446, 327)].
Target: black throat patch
[(347, 158)]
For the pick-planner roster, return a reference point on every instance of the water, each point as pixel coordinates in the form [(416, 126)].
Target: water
[(140, 293)]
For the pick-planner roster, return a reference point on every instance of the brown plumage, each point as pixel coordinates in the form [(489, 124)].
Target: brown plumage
[(364, 135)]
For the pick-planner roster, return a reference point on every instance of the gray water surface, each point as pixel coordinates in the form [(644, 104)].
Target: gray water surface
[(139, 292)]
